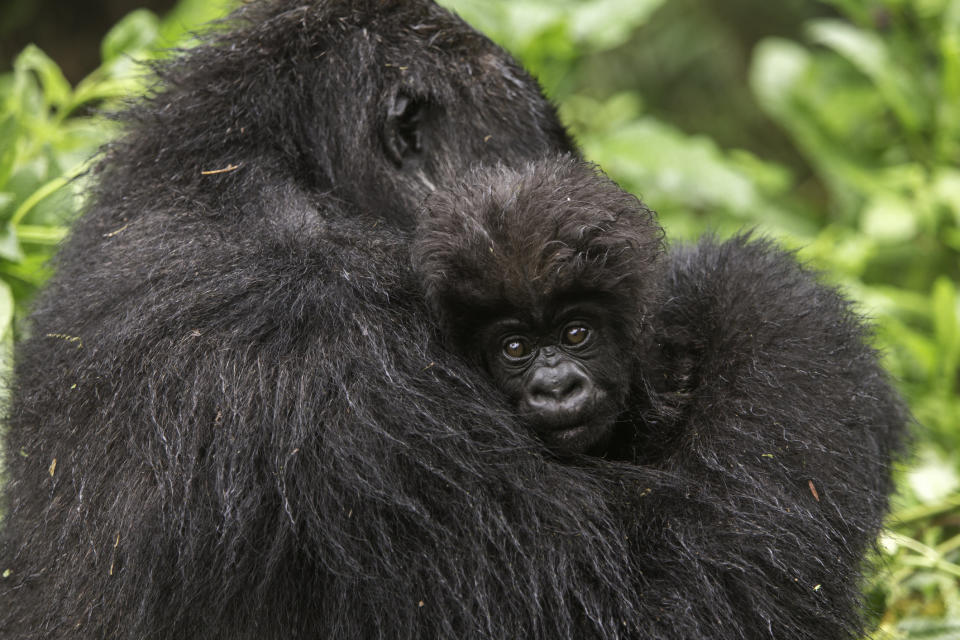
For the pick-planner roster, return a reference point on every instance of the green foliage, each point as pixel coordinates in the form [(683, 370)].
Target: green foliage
[(50, 130), (874, 106), (869, 99), (552, 37)]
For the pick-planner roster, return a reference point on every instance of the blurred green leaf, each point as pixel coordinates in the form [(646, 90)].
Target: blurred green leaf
[(946, 322), (928, 629), (946, 188), (131, 36), (9, 133), (594, 24), (934, 477), (55, 88), (6, 309), (605, 24), (664, 163), (178, 26), (778, 65), (26, 100), (869, 53), (947, 135), (9, 244), (864, 49), (889, 218)]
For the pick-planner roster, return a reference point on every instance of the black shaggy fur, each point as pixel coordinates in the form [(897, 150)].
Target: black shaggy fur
[(758, 433), (233, 418)]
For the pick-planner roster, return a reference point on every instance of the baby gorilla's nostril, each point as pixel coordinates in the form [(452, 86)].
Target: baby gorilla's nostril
[(573, 387)]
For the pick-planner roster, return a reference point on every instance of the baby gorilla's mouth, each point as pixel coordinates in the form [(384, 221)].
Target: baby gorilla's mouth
[(575, 427), (577, 436)]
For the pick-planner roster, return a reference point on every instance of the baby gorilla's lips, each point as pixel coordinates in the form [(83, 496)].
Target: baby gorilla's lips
[(578, 439), (575, 432)]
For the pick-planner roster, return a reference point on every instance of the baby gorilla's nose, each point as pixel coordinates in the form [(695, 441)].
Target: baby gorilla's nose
[(558, 395)]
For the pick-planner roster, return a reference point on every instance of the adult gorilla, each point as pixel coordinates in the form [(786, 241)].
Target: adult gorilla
[(233, 418), (230, 419)]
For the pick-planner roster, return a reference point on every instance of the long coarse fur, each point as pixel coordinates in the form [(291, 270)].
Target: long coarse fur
[(760, 429), (233, 418)]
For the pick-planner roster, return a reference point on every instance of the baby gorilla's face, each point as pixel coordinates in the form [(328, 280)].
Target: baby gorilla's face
[(561, 370), (546, 277)]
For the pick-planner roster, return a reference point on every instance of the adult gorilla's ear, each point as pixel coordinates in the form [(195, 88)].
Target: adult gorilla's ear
[(403, 139)]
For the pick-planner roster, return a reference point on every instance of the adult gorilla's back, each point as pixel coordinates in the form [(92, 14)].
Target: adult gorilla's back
[(230, 419)]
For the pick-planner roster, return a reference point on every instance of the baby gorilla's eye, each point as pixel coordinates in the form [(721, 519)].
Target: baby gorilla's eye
[(575, 335), (516, 348)]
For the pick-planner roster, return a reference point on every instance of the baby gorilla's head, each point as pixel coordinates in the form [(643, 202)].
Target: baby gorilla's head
[(546, 277)]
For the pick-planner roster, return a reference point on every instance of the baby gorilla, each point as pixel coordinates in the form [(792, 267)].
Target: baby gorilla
[(556, 283), (547, 280), (735, 421)]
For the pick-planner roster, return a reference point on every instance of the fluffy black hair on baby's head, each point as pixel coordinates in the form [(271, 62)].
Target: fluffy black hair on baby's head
[(518, 239)]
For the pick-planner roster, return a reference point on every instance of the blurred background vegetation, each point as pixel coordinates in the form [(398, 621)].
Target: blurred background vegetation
[(833, 126)]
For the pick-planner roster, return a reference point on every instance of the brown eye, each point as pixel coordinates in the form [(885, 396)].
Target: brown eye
[(516, 348), (575, 335)]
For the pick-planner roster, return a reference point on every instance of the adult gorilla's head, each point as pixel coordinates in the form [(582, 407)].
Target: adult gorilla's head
[(252, 406), (373, 102)]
